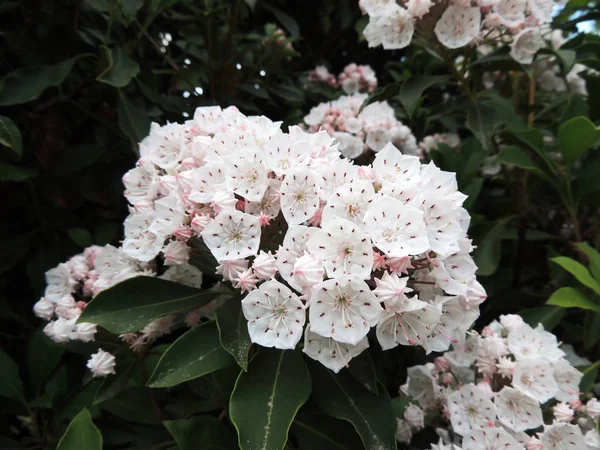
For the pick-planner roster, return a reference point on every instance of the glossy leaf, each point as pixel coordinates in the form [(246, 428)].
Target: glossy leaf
[(198, 352), (119, 68), (43, 356), (81, 237), (591, 329), (28, 83), (568, 297), (202, 432), (342, 397), (579, 271), (10, 172), (363, 369), (487, 255), (594, 257), (10, 382), (548, 316), (265, 399), (133, 123), (10, 136), (577, 136), (318, 431), (412, 90), (233, 330), (590, 375), (511, 155), (481, 120), (132, 304), (81, 434), (288, 22)]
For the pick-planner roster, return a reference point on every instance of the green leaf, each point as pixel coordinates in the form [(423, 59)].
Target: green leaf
[(579, 271), (568, 297), (381, 94), (28, 83), (511, 155), (43, 356), (10, 172), (133, 405), (342, 397), (590, 375), (265, 399), (10, 382), (119, 69), (197, 353), (363, 369), (81, 237), (233, 330), (472, 190), (17, 247), (115, 384), (132, 122), (575, 137), (288, 22), (400, 404), (201, 432), (81, 434), (481, 120), (318, 431), (132, 304), (594, 258), (548, 316), (488, 253), (412, 89), (10, 136), (591, 329)]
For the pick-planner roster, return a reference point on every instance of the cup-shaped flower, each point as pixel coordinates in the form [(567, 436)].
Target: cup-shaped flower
[(332, 354), (232, 235)]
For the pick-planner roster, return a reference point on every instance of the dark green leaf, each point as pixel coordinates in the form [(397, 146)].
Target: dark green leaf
[(9, 444), (590, 375), (381, 94), (576, 136), (10, 172), (132, 304), (133, 405), (400, 404), (133, 123), (16, 246), (481, 120), (202, 432), (548, 316), (265, 399), (28, 83), (363, 369), (81, 434), (591, 329), (198, 352), (288, 22), (10, 382), (412, 89), (488, 253), (511, 155), (81, 237), (233, 330), (342, 397), (115, 384), (472, 190), (43, 356), (594, 258), (579, 271), (318, 431), (119, 68), (568, 297), (10, 136)]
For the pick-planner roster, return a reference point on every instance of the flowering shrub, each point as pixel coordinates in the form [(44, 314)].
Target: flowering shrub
[(499, 386)]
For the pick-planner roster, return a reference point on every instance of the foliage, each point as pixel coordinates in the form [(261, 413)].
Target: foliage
[(82, 82)]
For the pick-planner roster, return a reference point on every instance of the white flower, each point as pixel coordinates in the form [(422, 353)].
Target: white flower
[(568, 378), (246, 174), (61, 330), (517, 411), (470, 408), (207, 181), (422, 386), (169, 214), (231, 269), (164, 145), (534, 378), (443, 224), (392, 290), (418, 8), (283, 153), (454, 273), (350, 202), (511, 12), (562, 412), (377, 139), (245, 281), (391, 165), (344, 309), (396, 229), (85, 332), (593, 408), (592, 440), (264, 266), (562, 436), (541, 9), (140, 243), (335, 175), (176, 253), (414, 416), (101, 364), (351, 147), (506, 367), (407, 327), (344, 249), (299, 196), (332, 354), (528, 343), (526, 44), (293, 247), (44, 309), (512, 322), (232, 235), (397, 27), (308, 271), (185, 274), (403, 432), (141, 182), (489, 439), (458, 26), (59, 283), (275, 315)]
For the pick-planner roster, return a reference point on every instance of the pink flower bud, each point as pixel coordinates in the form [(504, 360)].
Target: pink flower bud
[(442, 364)]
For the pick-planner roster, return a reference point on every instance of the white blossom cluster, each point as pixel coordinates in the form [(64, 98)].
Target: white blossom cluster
[(432, 142), (358, 132), (457, 23), (508, 388), (357, 246), (354, 78), (71, 285)]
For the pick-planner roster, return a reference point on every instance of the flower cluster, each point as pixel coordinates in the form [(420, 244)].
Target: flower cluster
[(499, 389), (349, 238), (431, 142), (353, 79), (361, 131), (458, 23)]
